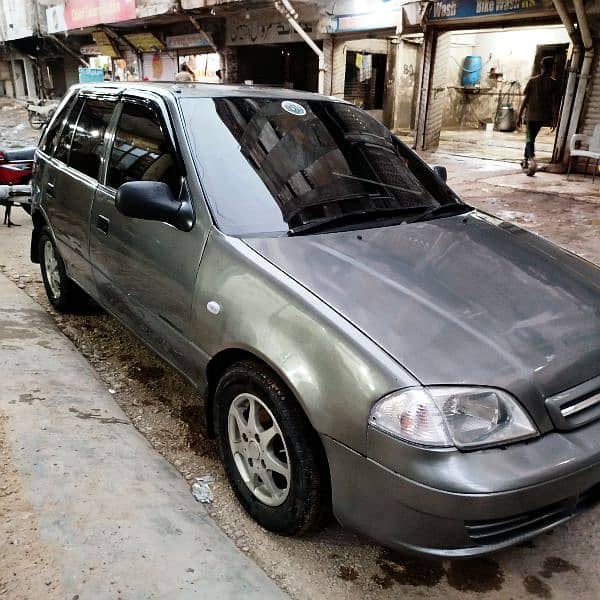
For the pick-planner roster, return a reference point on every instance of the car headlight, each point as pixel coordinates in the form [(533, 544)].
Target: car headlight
[(465, 417)]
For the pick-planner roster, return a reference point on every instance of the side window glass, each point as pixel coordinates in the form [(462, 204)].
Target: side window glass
[(51, 134), (87, 146), (64, 143), (141, 151)]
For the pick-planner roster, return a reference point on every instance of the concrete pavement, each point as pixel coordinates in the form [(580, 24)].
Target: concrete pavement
[(119, 519)]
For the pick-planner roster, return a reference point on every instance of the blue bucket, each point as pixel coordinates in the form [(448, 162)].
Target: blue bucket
[(471, 71)]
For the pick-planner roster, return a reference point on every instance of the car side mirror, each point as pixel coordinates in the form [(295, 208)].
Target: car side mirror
[(441, 172), (153, 201)]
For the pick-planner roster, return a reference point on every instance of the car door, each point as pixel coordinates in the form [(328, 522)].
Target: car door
[(145, 270), (71, 186)]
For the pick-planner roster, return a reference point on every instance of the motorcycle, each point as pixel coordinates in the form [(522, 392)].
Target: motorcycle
[(16, 168), (39, 112)]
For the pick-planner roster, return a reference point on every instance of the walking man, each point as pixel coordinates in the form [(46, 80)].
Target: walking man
[(541, 100)]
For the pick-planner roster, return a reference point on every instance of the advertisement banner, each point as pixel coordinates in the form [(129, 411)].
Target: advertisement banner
[(74, 14)]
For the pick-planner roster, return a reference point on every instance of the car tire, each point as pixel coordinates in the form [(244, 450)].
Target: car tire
[(287, 504), (64, 294)]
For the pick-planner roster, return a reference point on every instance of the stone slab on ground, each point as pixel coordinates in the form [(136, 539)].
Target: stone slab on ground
[(118, 519), (585, 189)]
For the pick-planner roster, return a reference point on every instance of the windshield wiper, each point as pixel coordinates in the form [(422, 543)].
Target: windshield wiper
[(446, 210), (367, 215), (389, 186)]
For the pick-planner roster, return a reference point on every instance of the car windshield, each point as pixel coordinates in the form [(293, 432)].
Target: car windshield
[(270, 165)]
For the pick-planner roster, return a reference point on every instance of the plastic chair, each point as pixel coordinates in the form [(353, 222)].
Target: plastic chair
[(593, 150)]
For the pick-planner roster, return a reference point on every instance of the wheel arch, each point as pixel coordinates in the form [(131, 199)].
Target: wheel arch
[(39, 222), (224, 359), (216, 368)]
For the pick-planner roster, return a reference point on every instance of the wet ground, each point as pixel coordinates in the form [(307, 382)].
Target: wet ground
[(334, 563), (499, 145)]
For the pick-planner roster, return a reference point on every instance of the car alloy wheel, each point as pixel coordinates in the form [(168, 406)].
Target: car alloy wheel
[(272, 456), (258, 449), (51, 266), (64, 295)]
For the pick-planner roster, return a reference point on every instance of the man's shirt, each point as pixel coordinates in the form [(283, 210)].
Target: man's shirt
[(541, 93)]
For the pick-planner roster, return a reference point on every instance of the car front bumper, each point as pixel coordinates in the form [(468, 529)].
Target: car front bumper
[(453, 509)]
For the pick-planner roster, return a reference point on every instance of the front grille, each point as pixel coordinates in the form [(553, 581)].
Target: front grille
[(502, 530), (576, 406), (497, 531)]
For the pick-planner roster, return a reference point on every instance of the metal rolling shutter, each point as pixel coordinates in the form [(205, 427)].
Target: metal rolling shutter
[(591, 114), (437, 92), (159, 66)]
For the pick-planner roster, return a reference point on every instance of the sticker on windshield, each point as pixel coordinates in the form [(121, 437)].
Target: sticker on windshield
[(293, 108)]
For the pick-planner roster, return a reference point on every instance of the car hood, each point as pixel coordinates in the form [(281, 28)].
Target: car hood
[(461, 300)]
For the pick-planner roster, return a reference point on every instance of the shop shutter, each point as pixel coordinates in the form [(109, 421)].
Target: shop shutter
[(592, 108), (591, 114), (424, 77), (159, 66), (338, 71), (437, 92)]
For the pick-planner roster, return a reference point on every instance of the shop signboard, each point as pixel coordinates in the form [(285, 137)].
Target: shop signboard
[(470, 9), (105, 44), (145, 42), (74, 14), (90, 50), (269, 27), (382, 14), (189, 40), (90, 75)]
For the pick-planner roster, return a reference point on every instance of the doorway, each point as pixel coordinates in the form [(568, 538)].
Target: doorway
[(476, 89), (364, 83), (20, 80), (284, 65)]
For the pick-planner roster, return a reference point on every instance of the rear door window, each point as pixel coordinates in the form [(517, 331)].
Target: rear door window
[(64, 143), (50, 137), (87, 146), (141, 151)]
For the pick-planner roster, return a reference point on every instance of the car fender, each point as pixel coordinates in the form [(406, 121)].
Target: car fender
[(242, 302)]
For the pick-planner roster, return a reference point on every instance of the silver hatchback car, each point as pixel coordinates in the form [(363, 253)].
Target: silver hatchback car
[(360, 337)]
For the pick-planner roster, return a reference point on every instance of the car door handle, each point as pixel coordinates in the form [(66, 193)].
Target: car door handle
[(50, 189), (102, 224)]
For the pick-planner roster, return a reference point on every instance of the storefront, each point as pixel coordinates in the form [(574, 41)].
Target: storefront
[(78, 30), (197, 51), (263, 49), (377, 48), (364, 52), (477, 59)]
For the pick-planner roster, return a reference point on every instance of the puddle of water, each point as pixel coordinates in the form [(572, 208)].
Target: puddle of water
[(536, 587), (555, 564), (145, 374), (80, 414), (396, 568), (475, 575)]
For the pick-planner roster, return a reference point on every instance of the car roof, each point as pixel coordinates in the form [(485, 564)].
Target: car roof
[(202, 90)]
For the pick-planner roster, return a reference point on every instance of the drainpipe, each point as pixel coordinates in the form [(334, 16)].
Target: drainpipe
[(586, 67), (561, 135), (288, 11)]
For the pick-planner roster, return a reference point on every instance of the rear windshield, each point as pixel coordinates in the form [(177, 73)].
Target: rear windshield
[(268, 164)]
